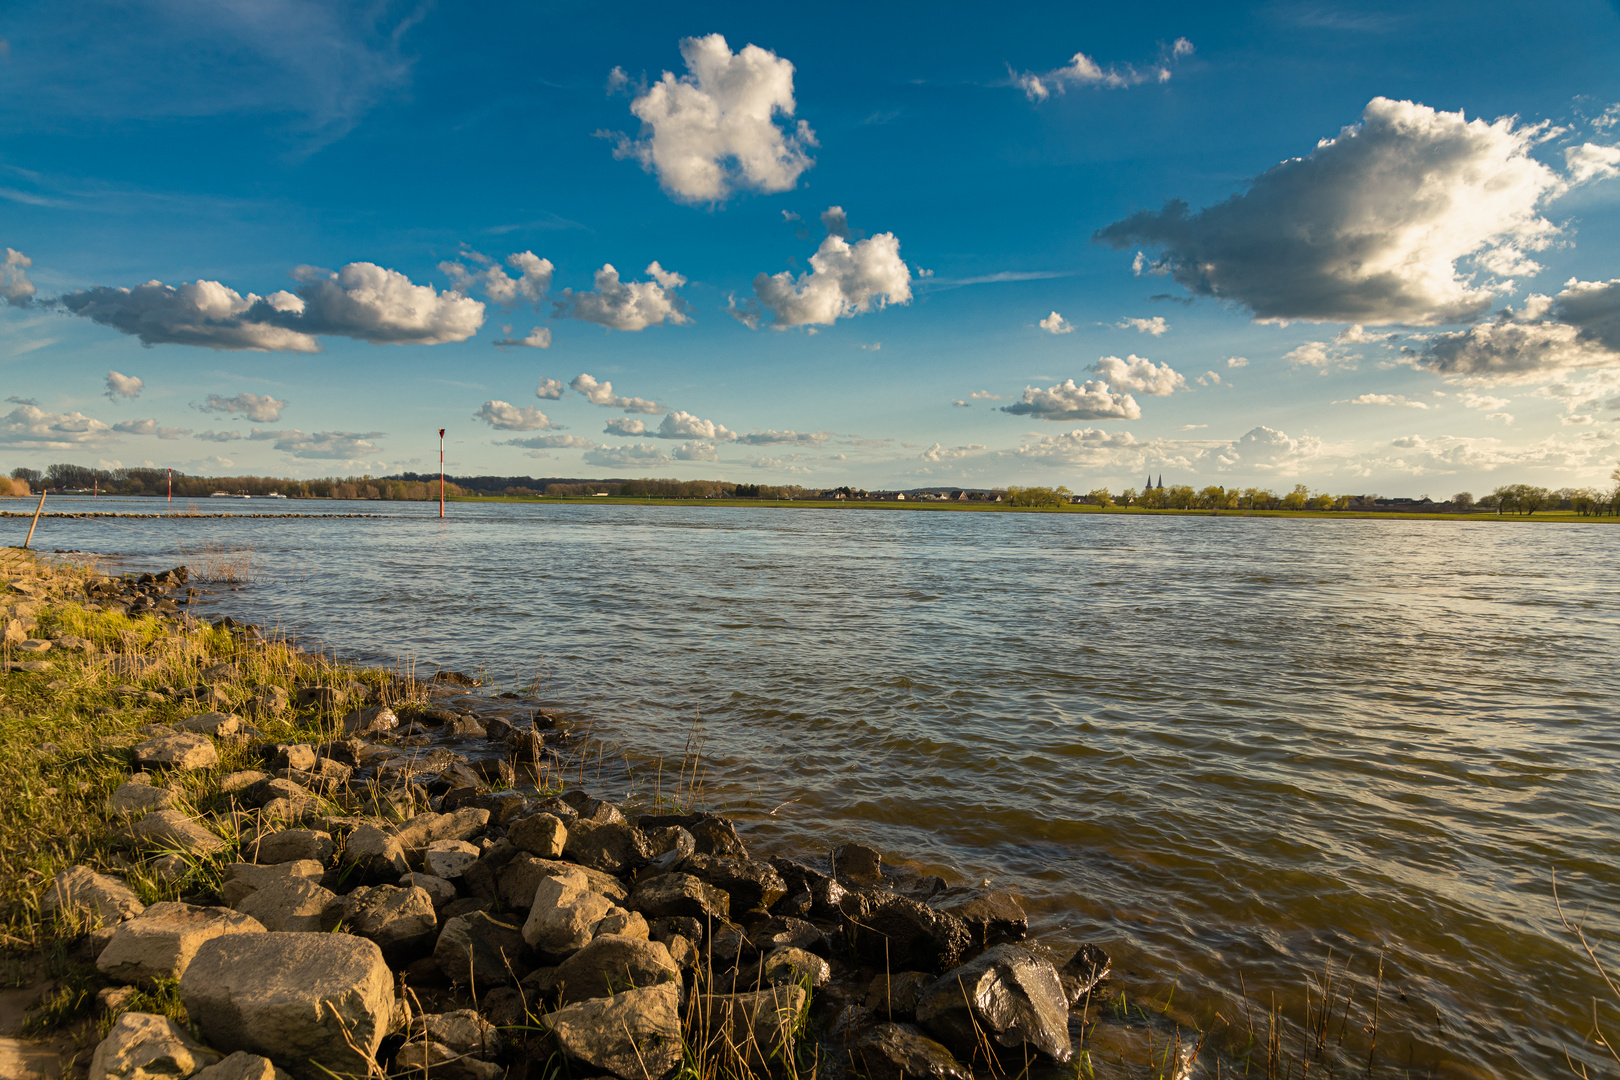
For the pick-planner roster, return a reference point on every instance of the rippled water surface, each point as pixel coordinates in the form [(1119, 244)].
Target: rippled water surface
[(1224, 747)]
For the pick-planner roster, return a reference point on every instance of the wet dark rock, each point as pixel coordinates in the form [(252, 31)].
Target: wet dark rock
[(465, 905), (591, 808), (992, 917), (788, 932), (897, 995), (857, 864), (901, 933), (825, 894), (369, 721), (728, 945), (751, 884), (519, 879), (1089, 966), (679, 894), (669, 846), (611, 848), (635, 1035), (1008, 994), (612, 963), (901, 1052), (669, 926), (480, 950), (713, 834), (554, 806), (790, 965), (525, 746), (495, 770), (503, 806)]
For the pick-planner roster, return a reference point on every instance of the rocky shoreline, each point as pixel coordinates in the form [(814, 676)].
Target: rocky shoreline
[(312, 874)]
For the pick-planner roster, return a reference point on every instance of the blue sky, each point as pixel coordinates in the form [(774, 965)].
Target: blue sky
[(1362, 248)]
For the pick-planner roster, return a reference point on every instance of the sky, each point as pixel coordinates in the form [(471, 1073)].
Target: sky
[(1364, 248)]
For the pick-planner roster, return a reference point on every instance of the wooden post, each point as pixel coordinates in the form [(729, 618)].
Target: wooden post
[(441, 472), (35, 522)]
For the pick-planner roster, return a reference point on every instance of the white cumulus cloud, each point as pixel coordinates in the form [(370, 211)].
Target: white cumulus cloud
[(149, 427), (1589, 161), (370, 303), (1155, 326), (696, 451), (530, 286), (1237, 361), (508, 417), (601, 393), (28, 427), (627, 305), (1578, 328), (1384, 399), (939, 452), (1082, 70), (1091, 400), (1263, 449), (784, 438), (624, 426), (716, 129), (1056, 324), (643, 455), (120, 385), (1392, 221), (844, 280), (683, 425), (1138, 374), (552, 442), (538, 338), (1084, 446), (14, 284), (260, 408), (321, 445), (549, 389)]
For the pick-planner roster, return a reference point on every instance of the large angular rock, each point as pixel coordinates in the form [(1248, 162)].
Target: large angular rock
[(613, 848), (217, 724), (564, 915), (679, 894), (170, 830), (244, 879), (400, 921), (1008, 994), (751, 884), (426, 1058), (762, 1025), (372, 853), (810, 892), (611, 964), (293, 904), (539, 834), (992, 917), (900, 933), (901, 1052), (440, 890), (895, 995), (463, 1031), (163, 940), (293, 845), (857, 864), (415, 834), (81, 893), (182, 751), (142, 1046), (480, 950), (449, 859), (790, 965), (713, 834), (308, 1002), (520, 877), (243, 1066), (635, 1035), (138, 796), (1089, 966)]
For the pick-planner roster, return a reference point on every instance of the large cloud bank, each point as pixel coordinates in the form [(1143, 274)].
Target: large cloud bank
[(715, 129), (1411, 216), (1578, 328), (362, 301)]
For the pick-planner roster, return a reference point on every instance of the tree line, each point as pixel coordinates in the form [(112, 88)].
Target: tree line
[(147, 481)]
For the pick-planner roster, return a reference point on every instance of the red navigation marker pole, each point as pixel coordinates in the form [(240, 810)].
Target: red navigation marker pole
[(171, 487), (441, 472)]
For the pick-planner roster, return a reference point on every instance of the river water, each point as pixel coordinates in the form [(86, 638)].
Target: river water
[(1237, 752)]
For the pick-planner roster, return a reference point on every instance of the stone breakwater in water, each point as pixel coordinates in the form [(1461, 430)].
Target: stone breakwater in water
[(326, 870)]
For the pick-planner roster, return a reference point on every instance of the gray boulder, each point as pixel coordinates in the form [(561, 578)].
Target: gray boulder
[(293, 845), (992, 917), (243, 1066), (427, 1058), (142, 1046), (244, 879), (1011, 995), (679, 894), (858, 864), (217, 724), (480, 950), (901, 1052), (182, 751), (137, 796), (520, 877), (293, 904), (449, 859), (613, 848), (308, 1002), (463, 1031), (400, 921), (81, 893), (564, 915), (635, 1035), (790, 965), (539, 834), (170, 830), (440, 890), (372, 853), (611, 964), (163, 940)]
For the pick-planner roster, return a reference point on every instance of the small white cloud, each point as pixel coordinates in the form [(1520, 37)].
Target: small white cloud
[(1589, 161), (627, 305), (1322, 354), (14, 284), (322, 445), (219, 436), (643, 455), (938, 452), (1191, 427), (1385, 399), (715, 129), (530, 286), (683, 425), (1092, 400), (260, 408), (959, 403), (624, 426), (985, 395), (835, 221), (1155, 326), (552, 442), (549, 389), (1209, 378), (845, 280), (120, 385), (785, 438), (1140, 375), (1483, 401), (538, 338), (696, 451), (1082, 70), (1237, 361), (149, 427), (1056, 324), (601, 393), (1360, 335), (508, 417)]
